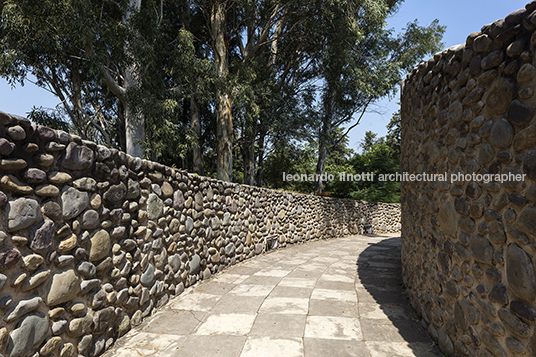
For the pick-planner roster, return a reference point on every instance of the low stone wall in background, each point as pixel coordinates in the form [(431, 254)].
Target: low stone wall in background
[(92, 240), (468, 247)]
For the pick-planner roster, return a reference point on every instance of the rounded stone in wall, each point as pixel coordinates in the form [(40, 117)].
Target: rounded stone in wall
[(486, 153), (526, 73), (520, 273), (29, 333), (500, 96), (455, 112), (447, 218), (512, 184), (465, 314), (155, 207), (482, 43), (100, 245), (492, 60), (520, 113), (529, 164), (21, 213), (434, 152), (116, 193), (77, 157), (73, 202), (481, 249), (528, 219), (62, 287), (473, 190), (502, 134)]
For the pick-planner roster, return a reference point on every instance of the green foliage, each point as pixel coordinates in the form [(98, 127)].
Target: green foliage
[(379, 160), (393, 134), (55, 42), (299, 71), (48, 118)]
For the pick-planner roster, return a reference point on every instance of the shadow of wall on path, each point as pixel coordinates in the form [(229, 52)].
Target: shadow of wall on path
[(380, 284)]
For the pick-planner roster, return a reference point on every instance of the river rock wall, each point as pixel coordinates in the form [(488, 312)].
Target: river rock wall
[(468, 246), (92, 240)]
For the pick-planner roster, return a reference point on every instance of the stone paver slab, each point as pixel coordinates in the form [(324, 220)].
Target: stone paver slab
[(262, 280), (210, 345), (229, 278), (384, 311), (288, 291), (317, 347), (278, 273), (278, 325), (284, 305), (333, 327), (214, 288), (298, 282), (226, 324), (272, 347), (176, 322), (147, 344), (237, 304), (402, 349), (337, 278), (194, 301), (333, 308), (334, 285), (341, 295), (251, 290)]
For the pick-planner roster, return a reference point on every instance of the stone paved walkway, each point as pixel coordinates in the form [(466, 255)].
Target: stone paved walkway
[(306, 300)]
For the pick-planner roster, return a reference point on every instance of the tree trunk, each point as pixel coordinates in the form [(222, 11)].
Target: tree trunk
[(249, 161), (195, 122), (225, 137), (120, 125), (322, 153), (323, 137), (134, 130), (134, 119), (248, 150), (224, 119), (260, 163), (195, 119), (76, 99)]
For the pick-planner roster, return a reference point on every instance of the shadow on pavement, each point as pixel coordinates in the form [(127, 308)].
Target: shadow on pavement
[(380, 274)]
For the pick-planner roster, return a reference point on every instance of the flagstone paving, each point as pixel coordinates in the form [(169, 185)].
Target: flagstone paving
[(337, 297)]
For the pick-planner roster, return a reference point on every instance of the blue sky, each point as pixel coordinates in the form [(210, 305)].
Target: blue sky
[(460, 17)]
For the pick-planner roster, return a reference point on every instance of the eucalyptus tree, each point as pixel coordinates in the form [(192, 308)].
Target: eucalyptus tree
[(116, 66), (83, 53), (361, 62), (245, 37), (47, 40)]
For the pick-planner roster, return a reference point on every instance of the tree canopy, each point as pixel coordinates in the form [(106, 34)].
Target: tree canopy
[(225, 88)]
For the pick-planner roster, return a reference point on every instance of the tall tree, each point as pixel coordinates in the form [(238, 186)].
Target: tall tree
[(217, 24), (362, 61), (47, 40), (245, 40), (126, 81), (369, 141)]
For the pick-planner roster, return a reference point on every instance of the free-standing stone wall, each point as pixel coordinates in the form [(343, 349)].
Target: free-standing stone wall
[(92, 240), (468, 245)]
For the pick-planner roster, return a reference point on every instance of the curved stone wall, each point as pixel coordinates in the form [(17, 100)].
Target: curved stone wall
[(92, 240), (468, 245)]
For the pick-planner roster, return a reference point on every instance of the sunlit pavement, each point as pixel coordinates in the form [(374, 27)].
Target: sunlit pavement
[(337, 297)]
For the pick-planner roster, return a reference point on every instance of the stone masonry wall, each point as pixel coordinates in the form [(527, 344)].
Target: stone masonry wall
[(92, 240), (468, 247)]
